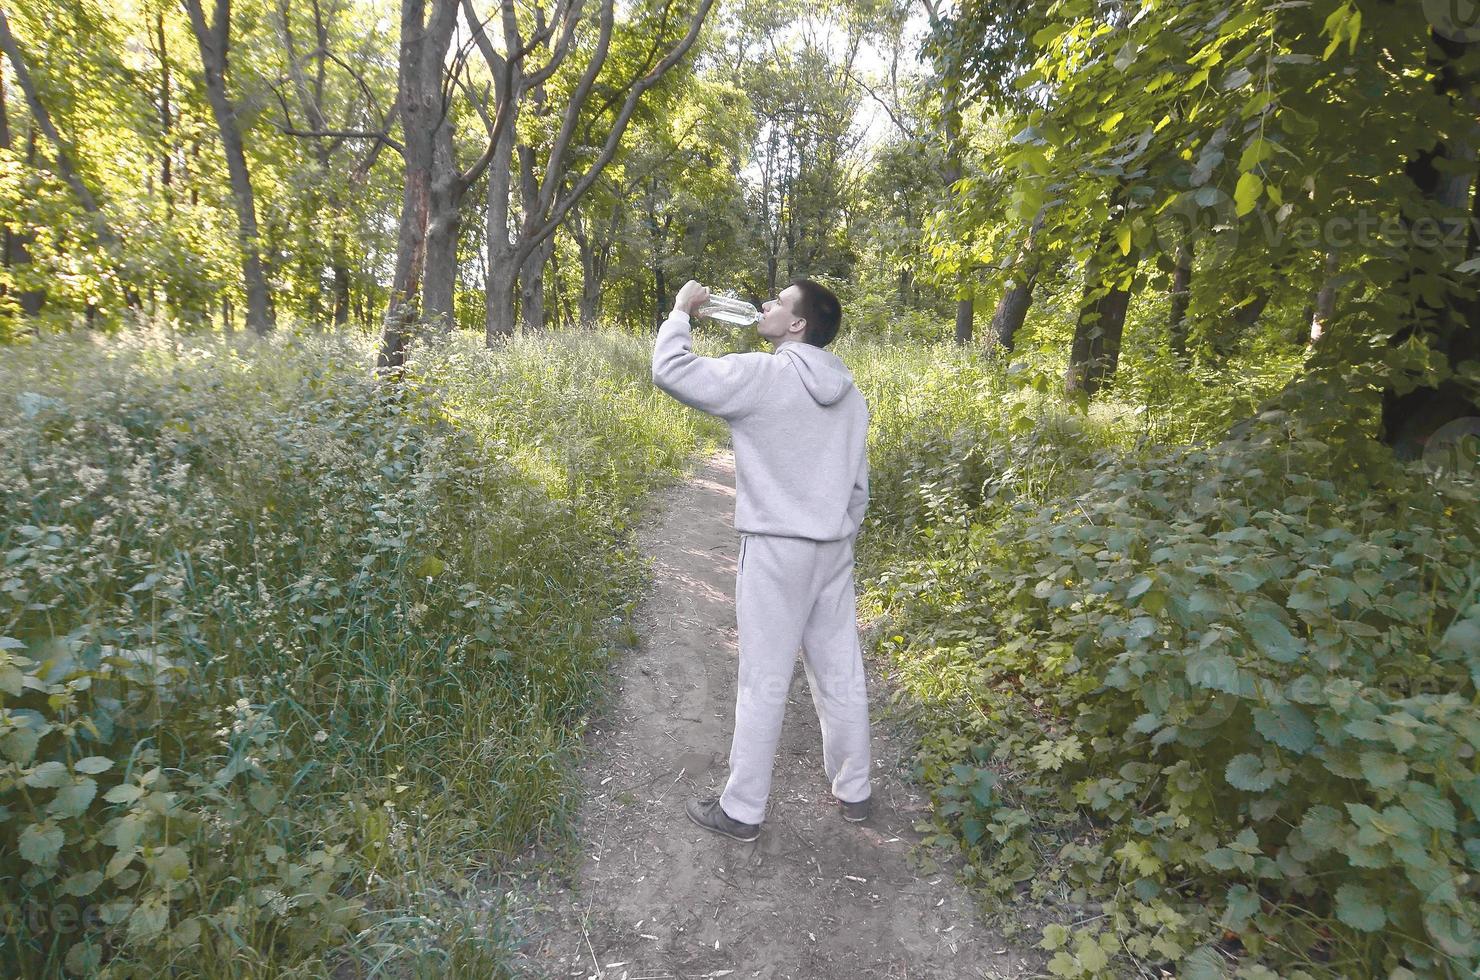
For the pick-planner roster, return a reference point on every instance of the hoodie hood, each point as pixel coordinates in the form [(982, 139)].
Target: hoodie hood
[(823, 373)]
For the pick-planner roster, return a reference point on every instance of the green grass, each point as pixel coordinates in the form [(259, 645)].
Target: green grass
[(331, 648)]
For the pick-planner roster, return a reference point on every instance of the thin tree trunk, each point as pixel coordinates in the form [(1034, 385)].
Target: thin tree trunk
[(166, 119), (532, 272), (444, 219), (32, 300), (1012, 310), (1325, 303), (13, 245), (532, 287), (503, 273), (1181, 299), (1095, 351), (1449, 327), (423, 50), (965, 315), (340, 267), (214, 42), (590, 299)]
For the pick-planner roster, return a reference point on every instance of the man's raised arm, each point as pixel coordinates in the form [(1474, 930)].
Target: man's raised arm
[(728, 386)]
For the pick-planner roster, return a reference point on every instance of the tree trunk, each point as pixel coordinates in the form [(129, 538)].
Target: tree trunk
[(503, 271), (1181, 299), (965, 315), (1095, 352), (590, 302), (532, 271), (32, 300), (422, 53), (166, 119), (502, 280), (15, 245), (214, 42), (1451, 327), (1324, 307), (1012, 310), (444, 219), (340, 267), (532, 287)]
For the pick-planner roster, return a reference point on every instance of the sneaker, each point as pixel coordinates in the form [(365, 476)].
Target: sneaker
[(857, 812), (711, 816)]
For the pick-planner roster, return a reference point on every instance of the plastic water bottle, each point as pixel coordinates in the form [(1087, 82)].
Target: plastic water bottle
[(732, 310)]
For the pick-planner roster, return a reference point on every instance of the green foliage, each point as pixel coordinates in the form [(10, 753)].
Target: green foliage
[(1226, 690), (287, 656)]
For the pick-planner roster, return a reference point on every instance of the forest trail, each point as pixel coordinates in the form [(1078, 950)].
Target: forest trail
[(815, 898)]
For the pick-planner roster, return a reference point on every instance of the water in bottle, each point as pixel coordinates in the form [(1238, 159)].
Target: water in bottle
[(732, 310)]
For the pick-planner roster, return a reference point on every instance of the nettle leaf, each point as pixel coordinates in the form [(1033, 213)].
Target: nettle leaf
[(1138, 586), (93, 765), (40, 842), (1367, 729), (1324, 828), (72, 801), (82, 883), (1377, 828), (1428, 806), (1383, 769), (1273, 637), (1246, 772), (124, 793), (1215, 671), (1286, 726), (1469, 791), (148, 920), (48, 775), (1455, 934), (1202, 963), (1241, 904), (1462, 637), (1359, 908)]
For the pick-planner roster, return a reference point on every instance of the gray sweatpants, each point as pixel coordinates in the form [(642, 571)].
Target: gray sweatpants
[(790, 593)]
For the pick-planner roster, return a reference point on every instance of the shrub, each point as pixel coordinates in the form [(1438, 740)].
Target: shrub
[(1224, 695)]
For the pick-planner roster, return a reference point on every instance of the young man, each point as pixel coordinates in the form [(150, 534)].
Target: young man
[(800, 433)]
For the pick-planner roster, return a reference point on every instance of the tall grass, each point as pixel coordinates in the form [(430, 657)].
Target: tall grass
[(292, 656)]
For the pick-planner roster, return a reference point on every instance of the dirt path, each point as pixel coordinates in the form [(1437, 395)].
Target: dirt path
[(815, 898)]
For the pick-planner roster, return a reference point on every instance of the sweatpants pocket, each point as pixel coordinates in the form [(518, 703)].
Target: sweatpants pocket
[(740, 565)]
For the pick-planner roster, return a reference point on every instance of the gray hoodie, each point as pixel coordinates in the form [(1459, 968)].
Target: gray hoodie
[(798, 424)]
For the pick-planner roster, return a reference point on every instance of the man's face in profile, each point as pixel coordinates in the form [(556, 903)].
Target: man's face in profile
[(779, 317)]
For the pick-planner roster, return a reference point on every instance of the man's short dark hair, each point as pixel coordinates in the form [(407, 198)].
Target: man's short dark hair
[(819, 306)]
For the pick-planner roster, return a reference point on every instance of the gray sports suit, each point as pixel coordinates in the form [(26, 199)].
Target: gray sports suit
[(800, 432)]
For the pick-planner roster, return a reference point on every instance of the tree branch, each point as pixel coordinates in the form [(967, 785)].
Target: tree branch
[(556, 209)]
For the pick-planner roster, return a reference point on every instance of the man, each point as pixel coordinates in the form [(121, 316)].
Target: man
[(800, 432)]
